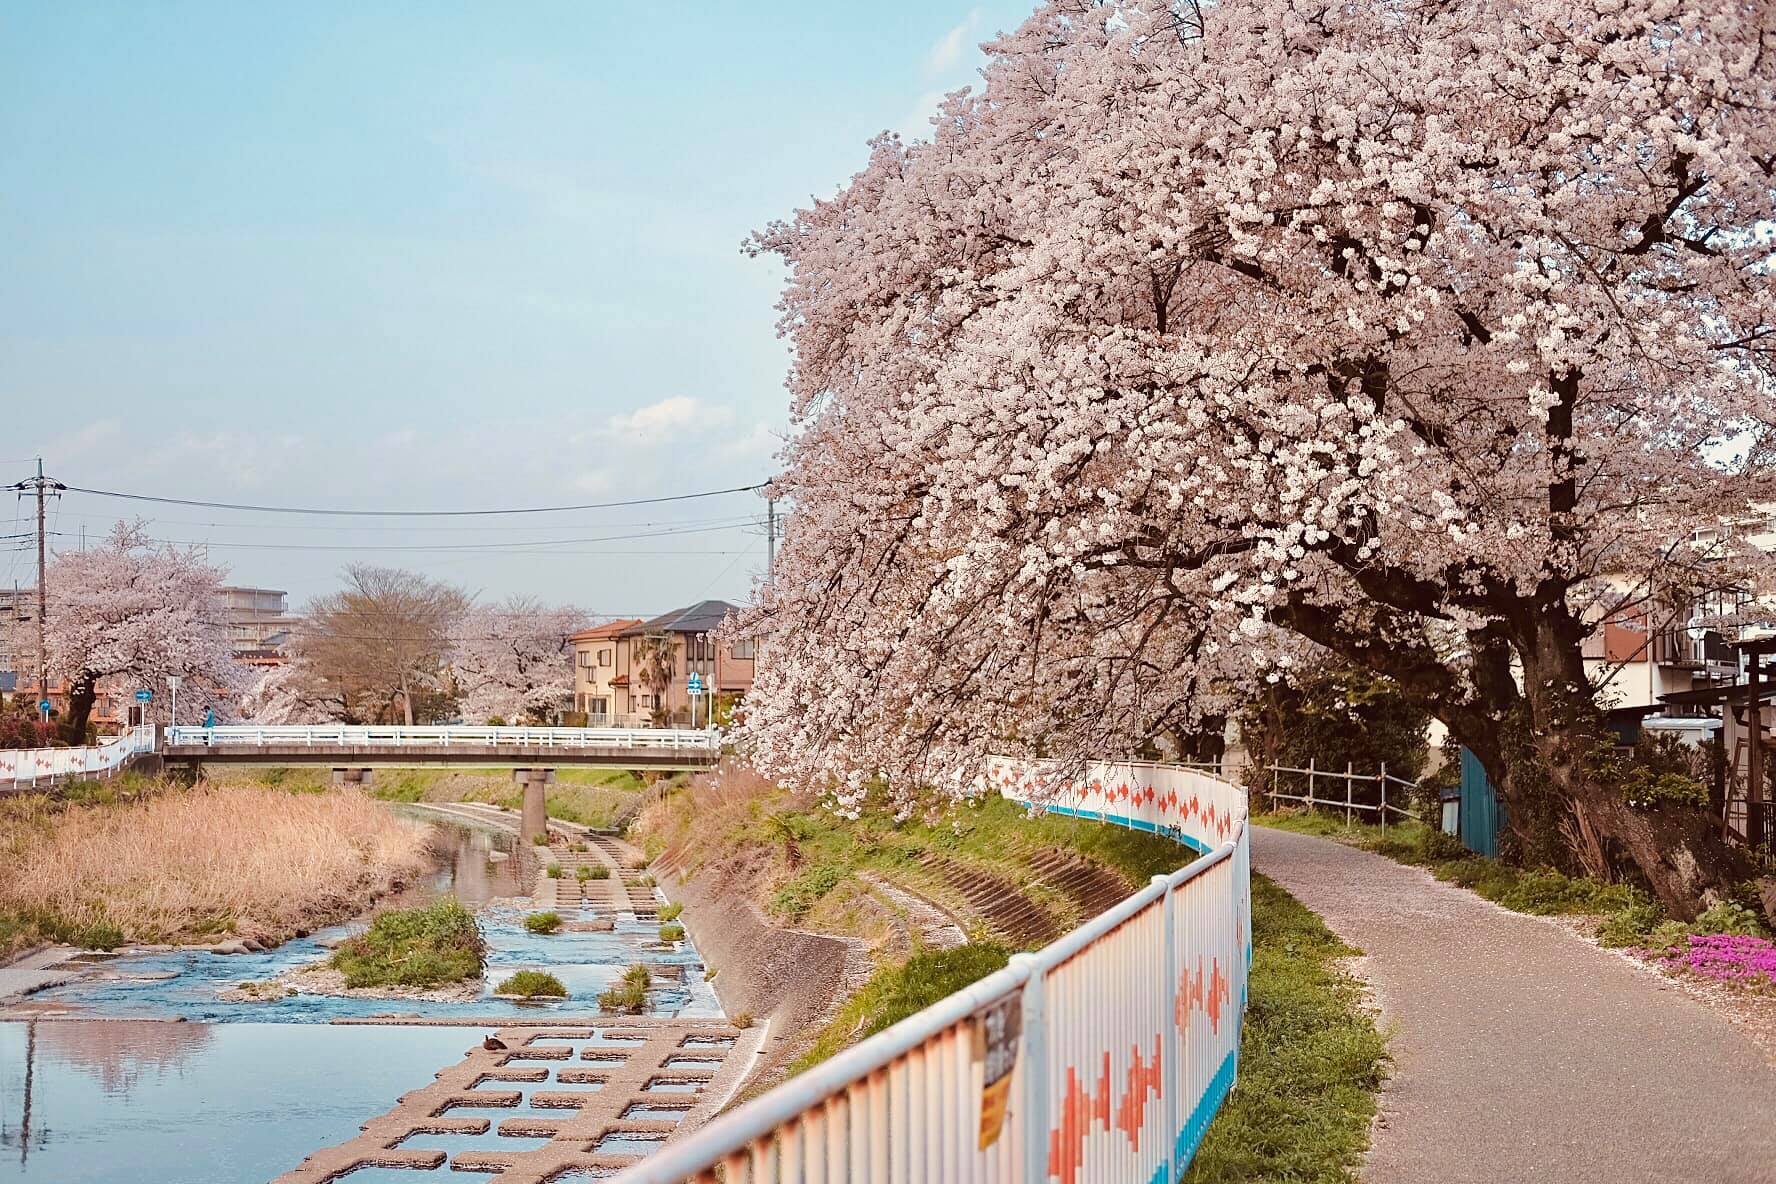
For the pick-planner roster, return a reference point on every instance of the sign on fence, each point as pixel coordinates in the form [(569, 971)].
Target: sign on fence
[(996, 1029)]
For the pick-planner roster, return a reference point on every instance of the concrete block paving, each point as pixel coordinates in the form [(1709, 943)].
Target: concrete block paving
[(583, 1097)]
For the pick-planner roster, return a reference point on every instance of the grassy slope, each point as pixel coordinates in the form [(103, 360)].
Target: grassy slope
[(592, 797), (1312, 1059)]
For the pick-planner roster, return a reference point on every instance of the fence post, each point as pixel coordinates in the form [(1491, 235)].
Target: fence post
[(1384, 797), (1310, 782), (1034, 1055), (1274, 774), (1174, 1051), (1349, 785)]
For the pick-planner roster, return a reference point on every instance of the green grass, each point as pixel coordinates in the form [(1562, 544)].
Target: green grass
[(543, 923), (23, 929), (532, 984), (672, 932), (1310, 1060), (895, 992), (629, 994), (671, 912), (423, 947), (591, 797)]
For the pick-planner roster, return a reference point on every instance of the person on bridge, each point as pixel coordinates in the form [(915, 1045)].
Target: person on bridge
[(210, 718)]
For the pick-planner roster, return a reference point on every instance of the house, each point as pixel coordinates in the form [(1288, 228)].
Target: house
[(637, 673), (595, 665)]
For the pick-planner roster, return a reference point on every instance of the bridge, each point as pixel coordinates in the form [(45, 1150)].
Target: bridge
[(353, 752)]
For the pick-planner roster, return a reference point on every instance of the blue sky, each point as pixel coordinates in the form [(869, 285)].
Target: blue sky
[(427, 256)]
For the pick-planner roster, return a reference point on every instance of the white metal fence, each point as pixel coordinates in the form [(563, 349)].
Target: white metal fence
[(1109, 1051), (355, 736), (1341, 790), (31, 766)]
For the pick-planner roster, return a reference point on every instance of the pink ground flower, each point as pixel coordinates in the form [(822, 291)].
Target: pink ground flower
[(1727, 957)]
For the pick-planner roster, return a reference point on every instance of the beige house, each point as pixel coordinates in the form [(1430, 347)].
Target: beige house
[(635, 674)]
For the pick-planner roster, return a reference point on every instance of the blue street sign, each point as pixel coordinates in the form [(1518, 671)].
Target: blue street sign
[(695, 685), (43, 705), (144, 696)]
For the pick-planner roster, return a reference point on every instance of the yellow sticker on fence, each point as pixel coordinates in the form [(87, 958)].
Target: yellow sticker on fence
[(997, 1027)]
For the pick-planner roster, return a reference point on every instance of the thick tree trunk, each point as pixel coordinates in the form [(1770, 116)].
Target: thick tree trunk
[(82, 695), (1551, 766)]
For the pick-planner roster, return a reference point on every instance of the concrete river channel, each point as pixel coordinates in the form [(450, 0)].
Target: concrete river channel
[(137, 1068)]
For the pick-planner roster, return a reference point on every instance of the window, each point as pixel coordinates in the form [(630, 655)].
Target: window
[(743, 650), (585, 658), (699, 648), (604, 657)]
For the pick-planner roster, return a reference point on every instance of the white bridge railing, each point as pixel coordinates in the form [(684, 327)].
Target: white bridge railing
[(29, 766), (452, 736), (1097, 1060)]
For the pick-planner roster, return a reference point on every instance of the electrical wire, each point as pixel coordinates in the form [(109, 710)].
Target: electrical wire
[(640, 501)]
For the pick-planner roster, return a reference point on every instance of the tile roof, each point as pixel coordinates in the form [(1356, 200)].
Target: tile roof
[(608, 629)]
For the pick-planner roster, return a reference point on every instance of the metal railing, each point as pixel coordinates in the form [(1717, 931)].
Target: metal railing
[(1348, 803), (29, 766), (1099, 1059), (458, 736)]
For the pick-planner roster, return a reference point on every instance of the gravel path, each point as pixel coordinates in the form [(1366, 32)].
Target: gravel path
[(1522, 1053)]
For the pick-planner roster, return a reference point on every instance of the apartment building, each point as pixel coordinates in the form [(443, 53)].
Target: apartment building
[(637, 673)]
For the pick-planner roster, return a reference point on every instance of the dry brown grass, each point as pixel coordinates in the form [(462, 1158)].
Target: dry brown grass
[(210, 861)]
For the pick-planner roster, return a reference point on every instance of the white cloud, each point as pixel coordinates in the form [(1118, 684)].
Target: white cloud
[(946, 51), (673, 417), (760, 442)]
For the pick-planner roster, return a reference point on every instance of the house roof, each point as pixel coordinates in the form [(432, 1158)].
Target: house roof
[(608, 629), (703, 617)]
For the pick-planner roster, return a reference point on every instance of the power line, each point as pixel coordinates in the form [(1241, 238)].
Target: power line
[(640, 501)]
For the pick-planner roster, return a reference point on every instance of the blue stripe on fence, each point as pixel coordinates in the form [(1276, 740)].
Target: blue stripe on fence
[(1152, 828), (1206, 1107)]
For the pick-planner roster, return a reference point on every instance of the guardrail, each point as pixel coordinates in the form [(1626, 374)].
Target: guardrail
[(1348, 803), (32, 765), (359, 736), (1099, 1059)]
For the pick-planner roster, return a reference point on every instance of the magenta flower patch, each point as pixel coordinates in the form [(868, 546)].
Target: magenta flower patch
[(1727, 957)]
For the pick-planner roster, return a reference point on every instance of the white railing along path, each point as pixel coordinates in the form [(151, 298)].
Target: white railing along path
[(31, 765), (451, 736), (1099, 1059)]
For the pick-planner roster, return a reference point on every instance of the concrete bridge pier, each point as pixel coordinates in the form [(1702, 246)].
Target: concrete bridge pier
[(536, 804), (359, 778)]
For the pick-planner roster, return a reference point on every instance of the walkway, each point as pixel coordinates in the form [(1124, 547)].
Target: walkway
[(1523, 1054)]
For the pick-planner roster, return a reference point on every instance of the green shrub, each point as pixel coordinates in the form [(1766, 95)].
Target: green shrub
[(628, 994), (533, 984), (1729, 916), (671, 912), (582, 874), (672, 932), (1630, 926), (422, 947), (554, 871), (741, 1020), (543, 922), (597, 873), (647, 881), (541, 840), (797, 897)]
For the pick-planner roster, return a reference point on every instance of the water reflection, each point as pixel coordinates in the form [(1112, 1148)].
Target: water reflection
[(155, 1103)]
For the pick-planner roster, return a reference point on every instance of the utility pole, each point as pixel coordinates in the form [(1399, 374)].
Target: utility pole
[(44, 488), (770, 538)]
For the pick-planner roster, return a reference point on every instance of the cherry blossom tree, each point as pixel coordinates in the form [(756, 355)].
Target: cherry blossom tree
[(128, 615), (1207, 338), (513, 660), (292, 692)]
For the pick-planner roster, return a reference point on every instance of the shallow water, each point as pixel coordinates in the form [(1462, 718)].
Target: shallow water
[(247, 1089), (188, 984), (144, 1103)]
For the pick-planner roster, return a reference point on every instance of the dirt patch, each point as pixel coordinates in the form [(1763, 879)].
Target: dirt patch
[(318, 978)]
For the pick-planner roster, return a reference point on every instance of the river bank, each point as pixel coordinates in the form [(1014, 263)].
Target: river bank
[(198, 866)]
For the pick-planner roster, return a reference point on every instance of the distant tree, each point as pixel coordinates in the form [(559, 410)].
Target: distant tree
[(292, 694), (513, 660), (380, 639), (125, 614), (655, 665), (1337, 716)]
